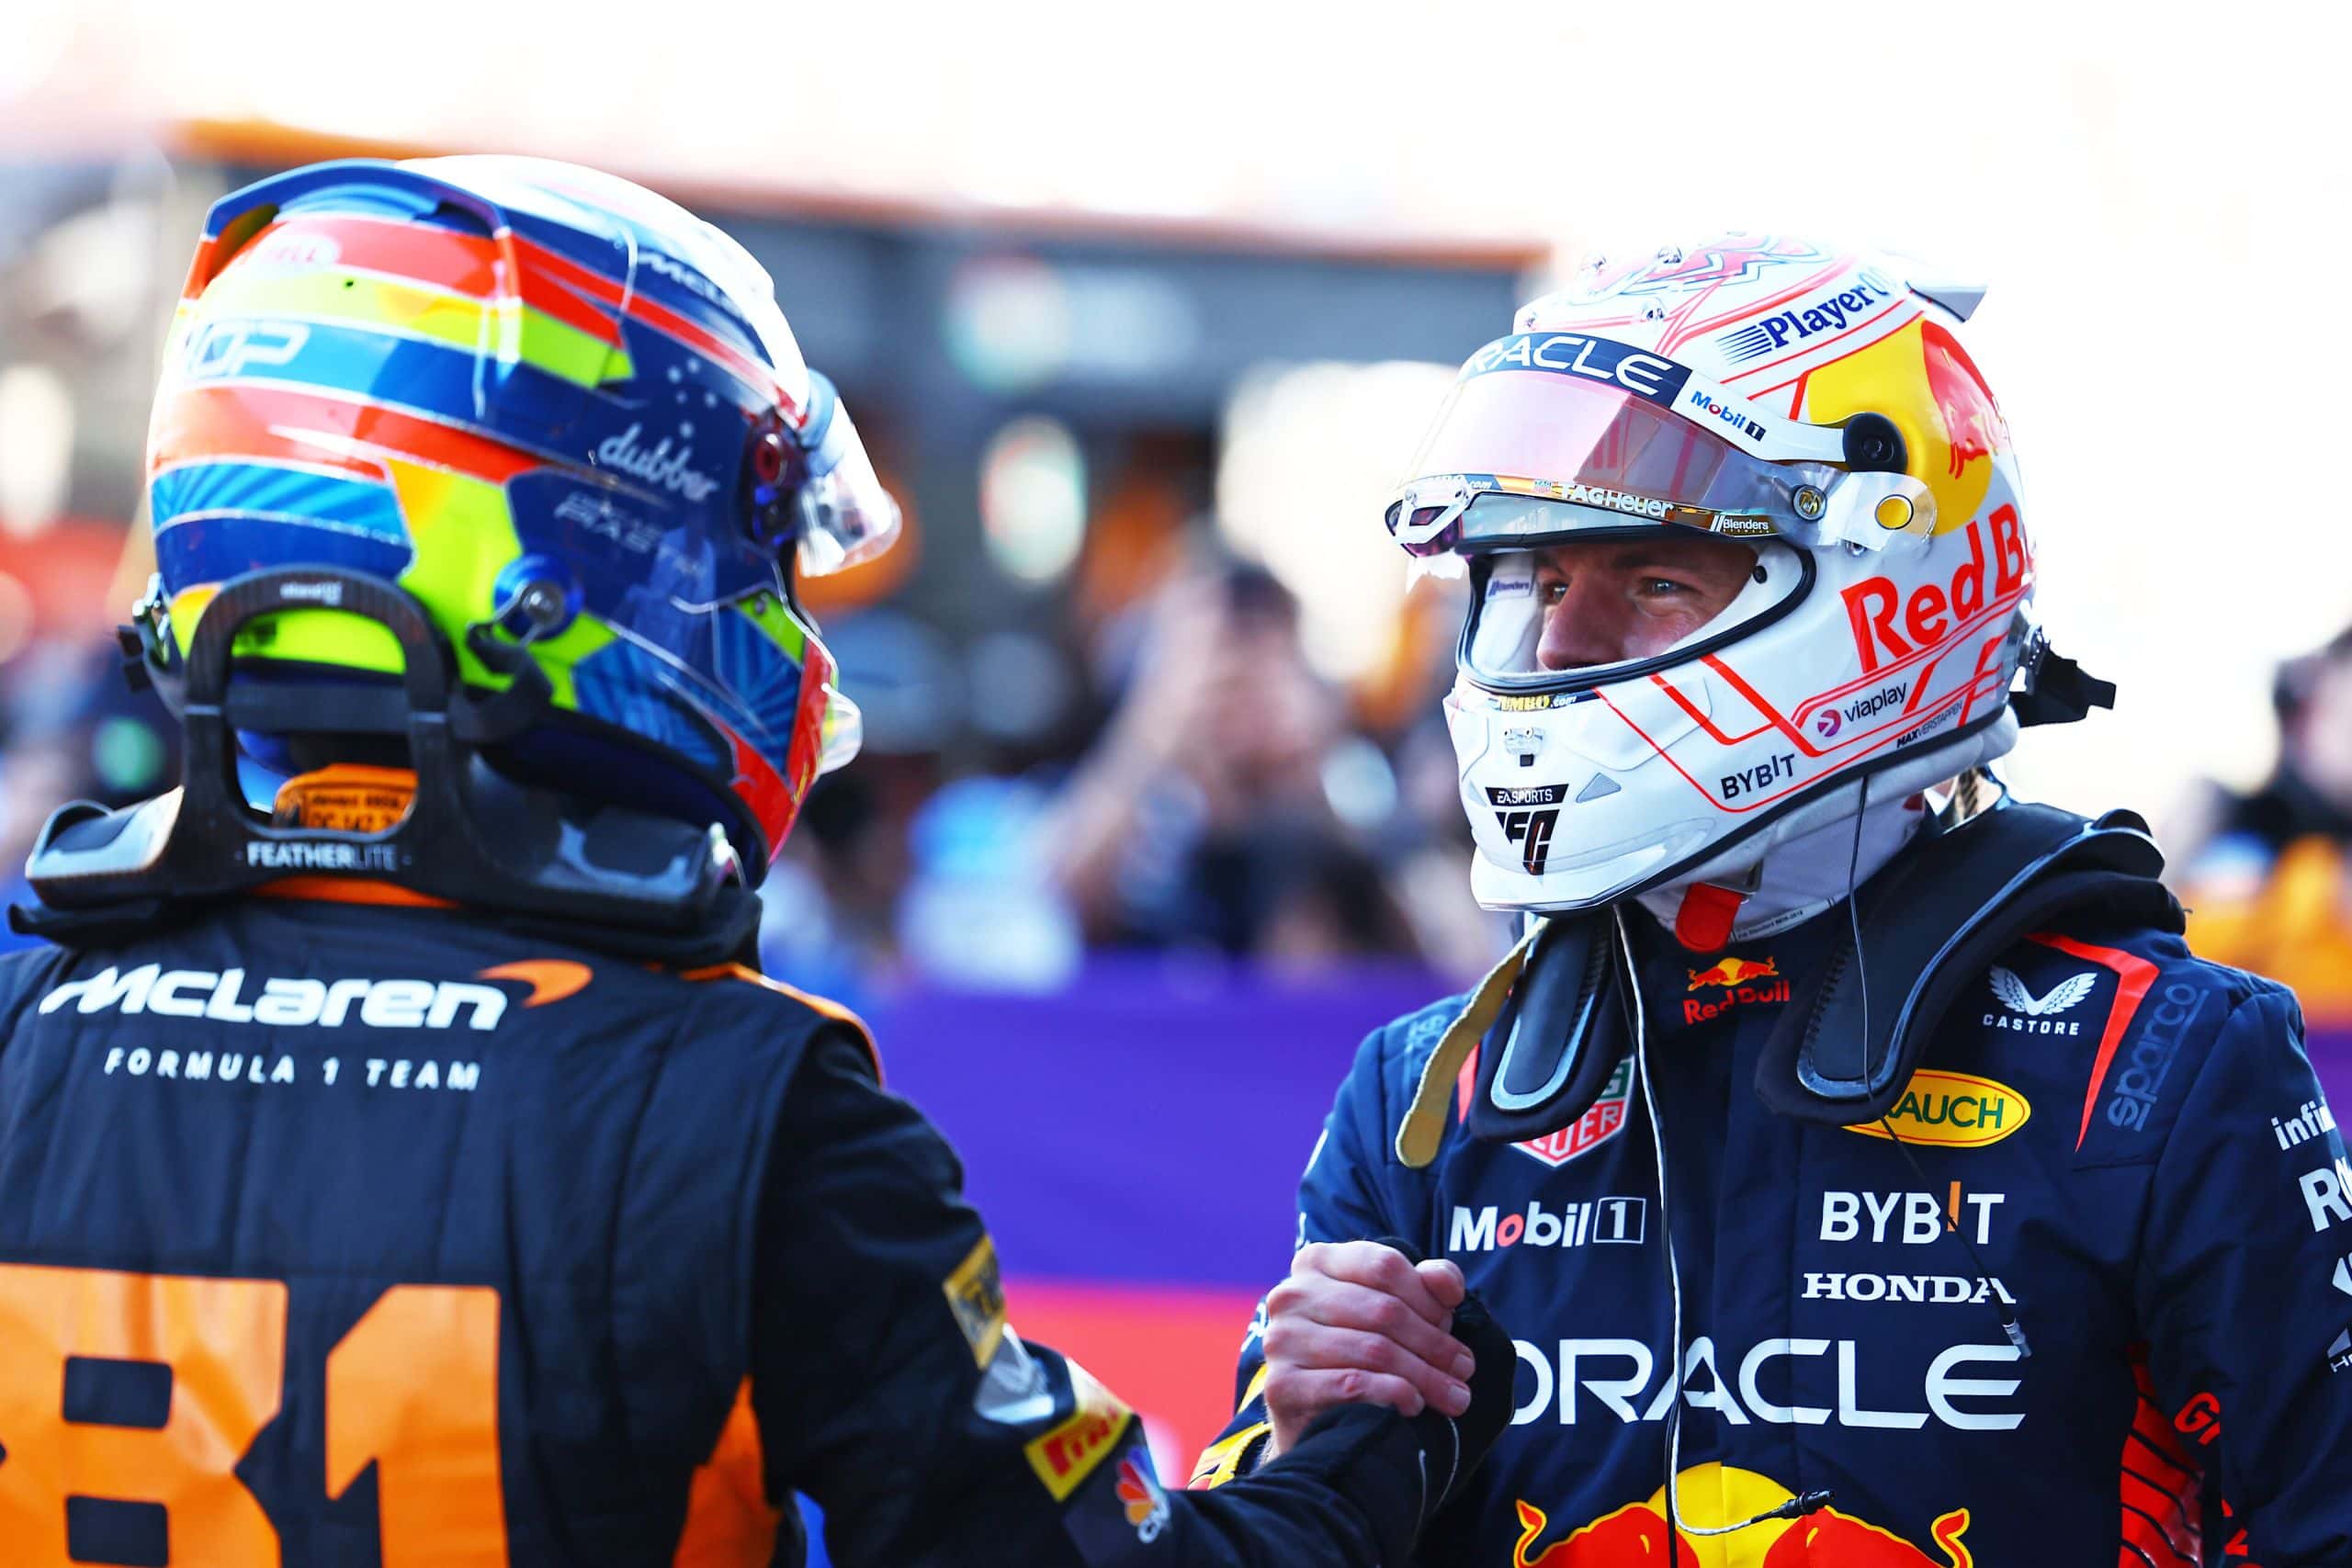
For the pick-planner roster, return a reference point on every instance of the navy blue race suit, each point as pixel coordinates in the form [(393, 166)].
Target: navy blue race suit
[(2123, 1145), (337, 1233)]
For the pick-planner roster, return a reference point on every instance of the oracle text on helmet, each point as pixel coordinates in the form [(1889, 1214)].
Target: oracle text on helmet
[(1889, 627), (1643, 375)]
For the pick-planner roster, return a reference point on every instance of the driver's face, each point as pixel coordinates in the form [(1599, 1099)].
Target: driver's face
[(1608, 601)]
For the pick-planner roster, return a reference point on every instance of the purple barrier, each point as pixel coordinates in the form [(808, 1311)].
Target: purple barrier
[(2331, 1049), (1147, 1124)]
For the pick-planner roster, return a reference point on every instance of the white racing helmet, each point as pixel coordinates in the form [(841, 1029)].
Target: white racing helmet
[(1809, 404)]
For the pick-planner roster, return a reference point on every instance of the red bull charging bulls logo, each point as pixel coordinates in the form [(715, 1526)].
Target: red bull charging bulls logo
[(1635, 1536)]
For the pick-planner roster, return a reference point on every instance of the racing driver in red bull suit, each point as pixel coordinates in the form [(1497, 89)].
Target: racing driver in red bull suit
[(412, 1174), (1871, 1171)]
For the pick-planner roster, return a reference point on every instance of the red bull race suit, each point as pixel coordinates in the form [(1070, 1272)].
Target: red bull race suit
[(2115, 1145), (380, 1231)]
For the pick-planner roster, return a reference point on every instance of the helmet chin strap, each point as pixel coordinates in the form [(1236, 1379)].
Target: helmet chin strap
[(1789, 883)]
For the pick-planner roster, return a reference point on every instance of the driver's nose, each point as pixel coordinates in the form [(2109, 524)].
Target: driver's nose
[(1587, 625)]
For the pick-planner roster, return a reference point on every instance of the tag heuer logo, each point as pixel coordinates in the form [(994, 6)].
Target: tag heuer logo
[(1589, 1131)]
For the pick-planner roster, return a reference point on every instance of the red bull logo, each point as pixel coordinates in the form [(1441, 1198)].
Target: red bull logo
[(1920, 378), (1713, 1496), (1729, 971), (1972, 422)]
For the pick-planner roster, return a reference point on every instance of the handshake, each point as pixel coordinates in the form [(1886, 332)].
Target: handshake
[(1364, 1328)]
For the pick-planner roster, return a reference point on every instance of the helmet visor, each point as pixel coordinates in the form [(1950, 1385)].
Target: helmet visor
[(1509, 434), (845, 514), (1615, 601)]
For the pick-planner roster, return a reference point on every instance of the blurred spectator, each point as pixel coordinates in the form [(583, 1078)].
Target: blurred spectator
[(1202, 817), (76, 731), (2264, 873)]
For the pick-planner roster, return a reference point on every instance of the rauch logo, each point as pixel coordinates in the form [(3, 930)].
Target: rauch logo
[(1960, 1109)]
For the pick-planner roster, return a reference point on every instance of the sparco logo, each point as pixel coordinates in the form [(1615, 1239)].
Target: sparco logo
[(2152, 1056), (1604, 1220), (1627, 1366), (1832, 314), (301, 855), (206, 994), (661, 466)]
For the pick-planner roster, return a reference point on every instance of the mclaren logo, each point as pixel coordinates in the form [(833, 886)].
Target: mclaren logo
[(225, 996)]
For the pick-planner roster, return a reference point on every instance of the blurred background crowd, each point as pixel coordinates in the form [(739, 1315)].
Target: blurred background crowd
[(1141, 321)]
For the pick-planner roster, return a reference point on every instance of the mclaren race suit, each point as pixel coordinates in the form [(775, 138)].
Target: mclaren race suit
[(2117, 1146), (358, 1233)]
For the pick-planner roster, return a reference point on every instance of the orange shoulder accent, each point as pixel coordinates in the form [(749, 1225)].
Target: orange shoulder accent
[(822, 1006), (729, 1521), (551, 979), (338, 890)]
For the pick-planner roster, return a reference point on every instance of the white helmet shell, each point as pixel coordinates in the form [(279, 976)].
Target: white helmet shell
[(1813, 404)]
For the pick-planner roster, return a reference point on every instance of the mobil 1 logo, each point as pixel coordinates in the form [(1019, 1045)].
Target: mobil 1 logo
[(1528, 814)]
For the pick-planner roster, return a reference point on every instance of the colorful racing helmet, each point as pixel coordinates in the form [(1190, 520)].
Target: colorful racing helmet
[(1806, 407), (549, 405)]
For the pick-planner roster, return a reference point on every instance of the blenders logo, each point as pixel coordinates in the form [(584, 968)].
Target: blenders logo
[(1589, 1131), (300, 855), (1832, 315), (1727, 413), (660, 466), (1643, 375)]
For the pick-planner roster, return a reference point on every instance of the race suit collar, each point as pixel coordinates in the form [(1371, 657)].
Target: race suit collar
[(1794, 881)]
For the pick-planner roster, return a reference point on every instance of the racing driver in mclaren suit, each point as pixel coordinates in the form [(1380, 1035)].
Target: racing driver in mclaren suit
[(412, 1174), (1874, 1174)]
